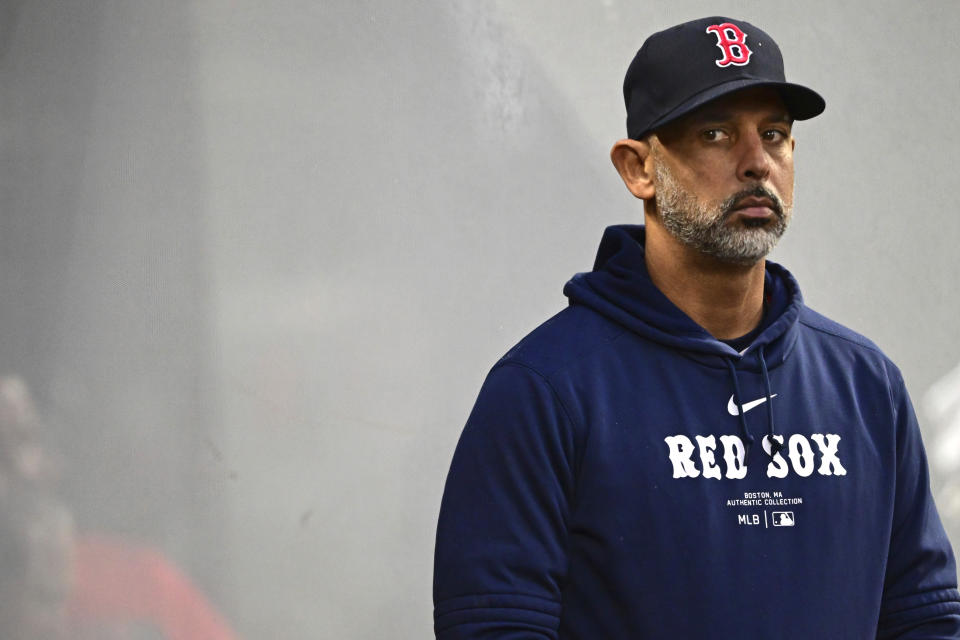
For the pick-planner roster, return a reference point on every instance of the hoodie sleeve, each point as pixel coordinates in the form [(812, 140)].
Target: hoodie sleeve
[(920, 598), (501, 538)]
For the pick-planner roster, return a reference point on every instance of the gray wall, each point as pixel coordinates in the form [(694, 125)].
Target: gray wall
[(257, 257)]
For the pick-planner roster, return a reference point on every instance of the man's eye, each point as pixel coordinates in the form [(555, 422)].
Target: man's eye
[(712, 135), (774, 135)]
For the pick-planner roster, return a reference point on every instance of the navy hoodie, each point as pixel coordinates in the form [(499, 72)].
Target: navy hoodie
[(624, 474)]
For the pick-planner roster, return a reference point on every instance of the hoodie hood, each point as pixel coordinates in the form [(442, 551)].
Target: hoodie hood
[(620, 288)]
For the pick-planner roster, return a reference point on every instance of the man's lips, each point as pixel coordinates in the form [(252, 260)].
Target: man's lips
[(754, 207)]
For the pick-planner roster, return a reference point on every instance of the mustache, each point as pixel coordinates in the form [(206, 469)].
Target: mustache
[(758, 191)]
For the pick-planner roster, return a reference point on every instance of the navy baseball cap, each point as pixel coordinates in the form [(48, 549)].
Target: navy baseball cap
[(686, 66)]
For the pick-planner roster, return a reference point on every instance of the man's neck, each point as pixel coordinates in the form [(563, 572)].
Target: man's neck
[(725, 299)]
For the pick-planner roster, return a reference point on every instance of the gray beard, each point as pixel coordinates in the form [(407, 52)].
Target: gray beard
[(702, 226)]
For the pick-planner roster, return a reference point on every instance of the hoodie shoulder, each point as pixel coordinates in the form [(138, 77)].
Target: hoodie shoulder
[(843, 340), (563, 340), (824, 325)]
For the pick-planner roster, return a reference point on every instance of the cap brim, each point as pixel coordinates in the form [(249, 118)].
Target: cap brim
[(802, 103)]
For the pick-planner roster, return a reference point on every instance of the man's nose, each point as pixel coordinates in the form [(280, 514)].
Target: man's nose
[(754, 161)]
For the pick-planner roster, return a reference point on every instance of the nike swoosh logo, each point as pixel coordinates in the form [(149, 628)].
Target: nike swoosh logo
[(734, 410)]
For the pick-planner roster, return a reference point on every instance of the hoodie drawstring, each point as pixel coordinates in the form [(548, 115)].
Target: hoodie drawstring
[(775, 446), (748, 440)]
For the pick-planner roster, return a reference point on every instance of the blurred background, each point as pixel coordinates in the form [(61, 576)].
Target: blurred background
[(256, 259)]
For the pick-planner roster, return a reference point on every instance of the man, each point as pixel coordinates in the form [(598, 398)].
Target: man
[(687, 451)]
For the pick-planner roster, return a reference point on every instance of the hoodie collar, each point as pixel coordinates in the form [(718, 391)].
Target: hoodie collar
[(620, 288)]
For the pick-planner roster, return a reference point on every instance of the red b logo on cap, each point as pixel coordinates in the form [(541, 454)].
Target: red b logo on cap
[(732, 41)]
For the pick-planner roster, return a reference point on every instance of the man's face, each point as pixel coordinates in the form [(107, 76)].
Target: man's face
[(724, 176)]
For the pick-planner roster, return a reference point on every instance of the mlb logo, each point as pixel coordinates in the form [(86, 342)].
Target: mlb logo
[(783, 518)]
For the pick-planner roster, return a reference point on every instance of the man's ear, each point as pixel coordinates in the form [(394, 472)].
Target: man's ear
[(634, 163)]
